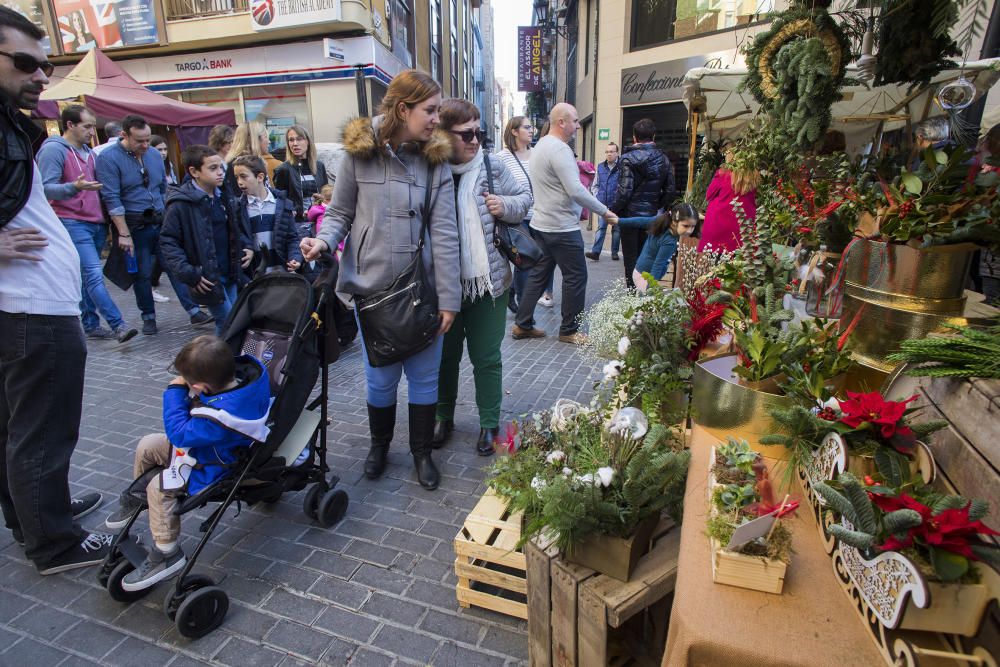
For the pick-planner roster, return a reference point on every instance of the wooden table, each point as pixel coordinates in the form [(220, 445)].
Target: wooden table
[(712, 625)]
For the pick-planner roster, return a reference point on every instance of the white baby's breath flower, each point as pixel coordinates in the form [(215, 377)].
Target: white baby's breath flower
[(623, 345), (605, 475), (537, 483), (555, 456)]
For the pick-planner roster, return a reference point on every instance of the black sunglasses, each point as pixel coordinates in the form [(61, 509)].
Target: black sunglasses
[(468, 135), (27, 64), (145, 177)]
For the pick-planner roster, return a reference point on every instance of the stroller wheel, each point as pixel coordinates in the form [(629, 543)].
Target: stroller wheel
[(192, 583), (311, 503), (114, 583), (202, 611), (332, 507)]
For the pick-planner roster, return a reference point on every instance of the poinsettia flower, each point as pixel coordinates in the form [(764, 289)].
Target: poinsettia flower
[(863, 409), (950, 529)]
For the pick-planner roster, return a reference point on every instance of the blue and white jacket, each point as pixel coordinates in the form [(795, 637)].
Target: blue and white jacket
[(212, 427)]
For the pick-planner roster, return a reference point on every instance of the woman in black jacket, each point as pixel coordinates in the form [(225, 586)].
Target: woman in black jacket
[(301, 175)]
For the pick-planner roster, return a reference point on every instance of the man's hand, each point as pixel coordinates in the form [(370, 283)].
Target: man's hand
[(494, 204), (312, 248), (292, 265), (22, 244), (125, 243), (82, 184), (204, 286), (447, 319), (611, 218), (247, 257)]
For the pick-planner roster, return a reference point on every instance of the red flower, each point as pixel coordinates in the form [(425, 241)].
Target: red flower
[(950, 529), (804, 230), (862, 409), (706, 323)]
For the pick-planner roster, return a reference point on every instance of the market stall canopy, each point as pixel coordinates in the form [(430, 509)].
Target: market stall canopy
[(714, 94), (111, 93)]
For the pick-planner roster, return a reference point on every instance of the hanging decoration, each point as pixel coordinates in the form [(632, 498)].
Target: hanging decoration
[(914, 41)]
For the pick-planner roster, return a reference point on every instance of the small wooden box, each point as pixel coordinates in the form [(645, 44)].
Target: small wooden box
[(755, 573), (490, 567)]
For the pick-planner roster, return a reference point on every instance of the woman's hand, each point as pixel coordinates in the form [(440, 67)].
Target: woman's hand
[(312, 248), (447, 319), (494, 205)]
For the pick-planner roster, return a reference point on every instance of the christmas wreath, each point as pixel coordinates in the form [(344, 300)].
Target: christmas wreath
[(795, 70)]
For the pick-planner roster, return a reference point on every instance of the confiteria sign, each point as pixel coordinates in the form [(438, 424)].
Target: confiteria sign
[(664, 82)]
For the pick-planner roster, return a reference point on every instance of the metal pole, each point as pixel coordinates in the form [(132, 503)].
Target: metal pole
[(359, 80)]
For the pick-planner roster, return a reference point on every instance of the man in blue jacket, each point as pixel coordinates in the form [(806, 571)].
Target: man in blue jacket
[(605, 188), (231, 399)]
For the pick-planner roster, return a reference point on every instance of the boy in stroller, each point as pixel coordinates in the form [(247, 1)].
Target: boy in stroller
[(199, 446)]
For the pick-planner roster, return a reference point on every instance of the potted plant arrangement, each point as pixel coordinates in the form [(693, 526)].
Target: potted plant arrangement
[(740, 494), (910, 554), (596, 482)]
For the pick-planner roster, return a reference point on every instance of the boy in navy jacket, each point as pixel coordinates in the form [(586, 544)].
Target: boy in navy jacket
[(267, 216), (216, 405)]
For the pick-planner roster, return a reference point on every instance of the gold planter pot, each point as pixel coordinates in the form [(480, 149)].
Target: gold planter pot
[(726, 408), (934, 273)]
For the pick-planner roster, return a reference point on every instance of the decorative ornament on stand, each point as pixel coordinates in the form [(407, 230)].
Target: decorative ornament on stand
[(956, 95)]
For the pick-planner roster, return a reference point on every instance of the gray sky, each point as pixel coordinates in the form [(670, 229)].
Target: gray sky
[(507, 15)]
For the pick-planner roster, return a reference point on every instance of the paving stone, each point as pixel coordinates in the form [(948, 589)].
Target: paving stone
[(294, 607), (292, 577), (90, 639), (241, 653), (30, 652), (347, 624), (409, 542), (366, 658), (299, 640), (442, 531), (248, 622), (396, 519), (507, 642), (250, 591), (453, 655), (44, 623), (394, 609), (137, 653), (327, 540), (380, 579), (341, 592), (364, 530), (432, 594), (452, 626), (398, 641), (332, 564), (372, 553), (339, 653)]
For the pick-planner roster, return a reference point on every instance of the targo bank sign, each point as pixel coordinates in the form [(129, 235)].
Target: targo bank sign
[(664, 82), (204, 65)]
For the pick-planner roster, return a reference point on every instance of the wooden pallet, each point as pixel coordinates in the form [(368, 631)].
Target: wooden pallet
[(580, 617), (490, 567)]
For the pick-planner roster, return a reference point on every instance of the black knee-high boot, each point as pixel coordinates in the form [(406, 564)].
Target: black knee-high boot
[(381, 423), (421, 437)]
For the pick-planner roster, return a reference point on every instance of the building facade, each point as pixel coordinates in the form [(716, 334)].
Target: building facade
[(279, 62)]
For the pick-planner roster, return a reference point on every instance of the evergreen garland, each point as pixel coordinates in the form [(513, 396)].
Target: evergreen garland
[(914, 41)]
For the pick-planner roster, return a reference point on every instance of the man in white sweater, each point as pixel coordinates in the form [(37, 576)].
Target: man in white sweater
[(42, 350), (555, 226)]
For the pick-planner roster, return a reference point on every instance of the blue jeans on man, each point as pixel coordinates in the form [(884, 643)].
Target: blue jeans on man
[(602, 230), (146, 240), (89, 238), (220, 311)]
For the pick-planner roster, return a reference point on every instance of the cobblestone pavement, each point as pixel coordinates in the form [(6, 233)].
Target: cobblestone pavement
[(377, 589)]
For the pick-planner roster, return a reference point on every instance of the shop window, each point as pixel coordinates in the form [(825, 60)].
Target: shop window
[(656, 22), (220, 98), (401, 23), (277, 108), (436, 63)]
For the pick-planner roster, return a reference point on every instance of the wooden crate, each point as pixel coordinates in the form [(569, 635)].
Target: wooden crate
[(490, 567), (580, 617), (755, 573)]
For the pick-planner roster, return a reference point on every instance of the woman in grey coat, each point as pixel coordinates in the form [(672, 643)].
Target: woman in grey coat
[(486, 275), (379, 201)]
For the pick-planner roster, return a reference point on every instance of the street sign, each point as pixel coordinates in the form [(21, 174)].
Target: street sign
[(603, 134)]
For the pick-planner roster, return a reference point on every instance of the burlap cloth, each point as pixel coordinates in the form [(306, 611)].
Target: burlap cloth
[(712, 625)]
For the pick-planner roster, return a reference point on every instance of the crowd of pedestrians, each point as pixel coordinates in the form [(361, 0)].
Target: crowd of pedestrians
[(415, 185)]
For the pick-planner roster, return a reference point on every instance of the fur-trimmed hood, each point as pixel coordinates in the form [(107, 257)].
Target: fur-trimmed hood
[(359, 141)]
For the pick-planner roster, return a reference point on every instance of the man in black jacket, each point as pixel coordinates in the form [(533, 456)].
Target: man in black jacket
[(645, 185), (43, 354)]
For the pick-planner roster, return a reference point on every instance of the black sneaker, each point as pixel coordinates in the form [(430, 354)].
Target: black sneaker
[(85, 504), (157, 567), (593, 256), (99, 333), (127, 505), (201, 318), (148, 327), (91, 551), (614, 257), (125, 333)]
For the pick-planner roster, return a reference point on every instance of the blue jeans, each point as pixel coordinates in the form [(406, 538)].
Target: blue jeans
[(220, 311), (89, 238), (421, 377), (147, 245), (602, 230)]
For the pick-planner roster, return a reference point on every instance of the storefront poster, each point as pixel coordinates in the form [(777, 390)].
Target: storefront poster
[(32, 10), (271, 14), (529, 59), (276, 129), (105, 24)]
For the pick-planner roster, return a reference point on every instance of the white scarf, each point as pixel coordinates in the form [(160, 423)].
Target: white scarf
[(475, 260)]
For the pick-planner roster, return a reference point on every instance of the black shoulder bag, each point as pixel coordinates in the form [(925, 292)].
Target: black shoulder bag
[(402, 319), (511, 240)]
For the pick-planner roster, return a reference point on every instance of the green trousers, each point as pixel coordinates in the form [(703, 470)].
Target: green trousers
[(483, 323)]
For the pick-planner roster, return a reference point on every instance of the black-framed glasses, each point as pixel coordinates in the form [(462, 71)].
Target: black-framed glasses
[(28, 64), (468, 135)]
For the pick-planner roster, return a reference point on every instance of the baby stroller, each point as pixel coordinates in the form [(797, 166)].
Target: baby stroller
[(285, 322)]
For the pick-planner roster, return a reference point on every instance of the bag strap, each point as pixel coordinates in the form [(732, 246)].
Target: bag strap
[(489, 171), (426, 213)]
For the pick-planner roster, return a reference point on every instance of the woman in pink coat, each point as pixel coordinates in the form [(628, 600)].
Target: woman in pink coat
[(722, 227)]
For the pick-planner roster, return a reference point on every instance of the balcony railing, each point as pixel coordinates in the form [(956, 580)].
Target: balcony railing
[(189, 9)]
